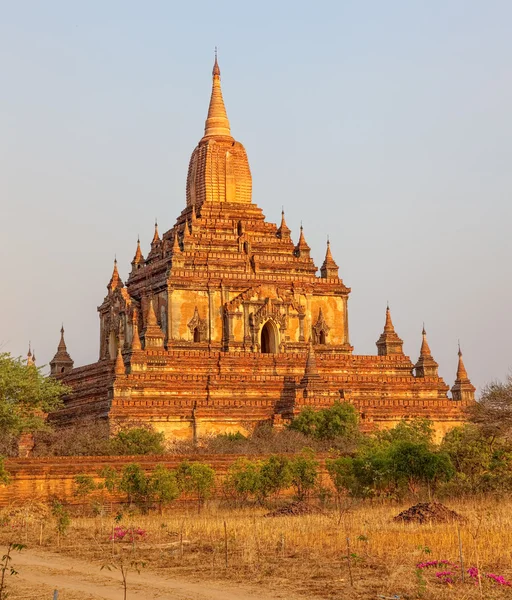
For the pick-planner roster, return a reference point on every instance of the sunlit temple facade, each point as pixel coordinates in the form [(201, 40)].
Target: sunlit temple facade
[(227, 323)]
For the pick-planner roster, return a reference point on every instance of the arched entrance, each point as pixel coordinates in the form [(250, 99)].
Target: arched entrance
[(197, 335), (269, 338)]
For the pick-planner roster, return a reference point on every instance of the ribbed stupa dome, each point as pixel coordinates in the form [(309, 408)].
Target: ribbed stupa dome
[(219, 169)]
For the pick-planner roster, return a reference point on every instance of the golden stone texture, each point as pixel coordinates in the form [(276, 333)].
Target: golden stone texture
[(236, 328)]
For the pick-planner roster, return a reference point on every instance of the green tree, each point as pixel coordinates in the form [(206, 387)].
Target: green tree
[(83, 486), (163, 486), (196, 478), (138, 440), (341, 472), (418, 431), (4, 475), (340, 420), (242, 480), (134, 483), (110, 478), (25, 396), (414, 464), (304, 473), (275, 476)]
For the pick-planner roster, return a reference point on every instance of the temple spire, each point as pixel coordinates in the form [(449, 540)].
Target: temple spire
[(151, 316), (329, 269), (119, 366), (311, 375), (138, 258), (115, 280), (461, 369), (425, 348), (176, 243), (388, 326), (284, 231), (426, 366), (61, 363), (135, 332), (153, 334), (389, 341), (217, 123), (463, 389), (302, 248), (156, 236), (30, 359)]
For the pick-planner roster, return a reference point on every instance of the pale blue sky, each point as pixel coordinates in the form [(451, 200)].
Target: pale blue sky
[(383, 124)]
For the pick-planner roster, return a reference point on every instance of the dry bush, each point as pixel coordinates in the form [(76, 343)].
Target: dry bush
[(89, 438)]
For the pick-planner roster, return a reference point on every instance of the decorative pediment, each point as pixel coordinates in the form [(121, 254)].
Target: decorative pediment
[(197, 327), (320, 328), (270, 310)]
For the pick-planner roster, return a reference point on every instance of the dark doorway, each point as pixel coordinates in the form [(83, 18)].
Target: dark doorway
[(197, 335), (269, 338), (322, 337)]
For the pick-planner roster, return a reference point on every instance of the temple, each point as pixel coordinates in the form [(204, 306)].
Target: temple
[(227, 324)]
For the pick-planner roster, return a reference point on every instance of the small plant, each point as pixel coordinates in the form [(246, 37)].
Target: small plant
[(120, 565), (6, 567), (196, 478), (62, 518)]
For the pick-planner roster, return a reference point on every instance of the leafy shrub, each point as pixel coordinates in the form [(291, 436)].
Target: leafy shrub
[(137, 440), (340, 420), (304, 473), (196, 478), (134, 484), (242, 480), (163, 486), (274, 476)]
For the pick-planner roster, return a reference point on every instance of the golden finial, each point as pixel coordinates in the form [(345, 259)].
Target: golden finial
[(217, 123)]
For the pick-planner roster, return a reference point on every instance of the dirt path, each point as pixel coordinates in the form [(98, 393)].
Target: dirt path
[(41, 572)]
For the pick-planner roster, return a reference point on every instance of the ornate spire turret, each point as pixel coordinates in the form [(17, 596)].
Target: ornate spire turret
[(30, 358), (426, 365), (119, 368), (156, 236), (329, 269), (176, 244), (311, 379), (284, 231), (187, 237), (138, 259), (61, 363), (115, 281), (462, 389), (302, 248), (153, 334), (135, 331), (425, 348), (389, 342), (217, 123)]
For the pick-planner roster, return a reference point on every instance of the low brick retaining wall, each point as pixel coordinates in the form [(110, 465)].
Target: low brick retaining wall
[(40, 479)]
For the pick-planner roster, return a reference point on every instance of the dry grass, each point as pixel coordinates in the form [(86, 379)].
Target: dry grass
[(305, 553)]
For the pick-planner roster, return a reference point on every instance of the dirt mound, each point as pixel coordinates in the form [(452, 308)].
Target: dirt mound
[(428, 512), (294, 509)]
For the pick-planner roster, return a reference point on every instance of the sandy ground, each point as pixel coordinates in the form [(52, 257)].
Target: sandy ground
[(40, 573)]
